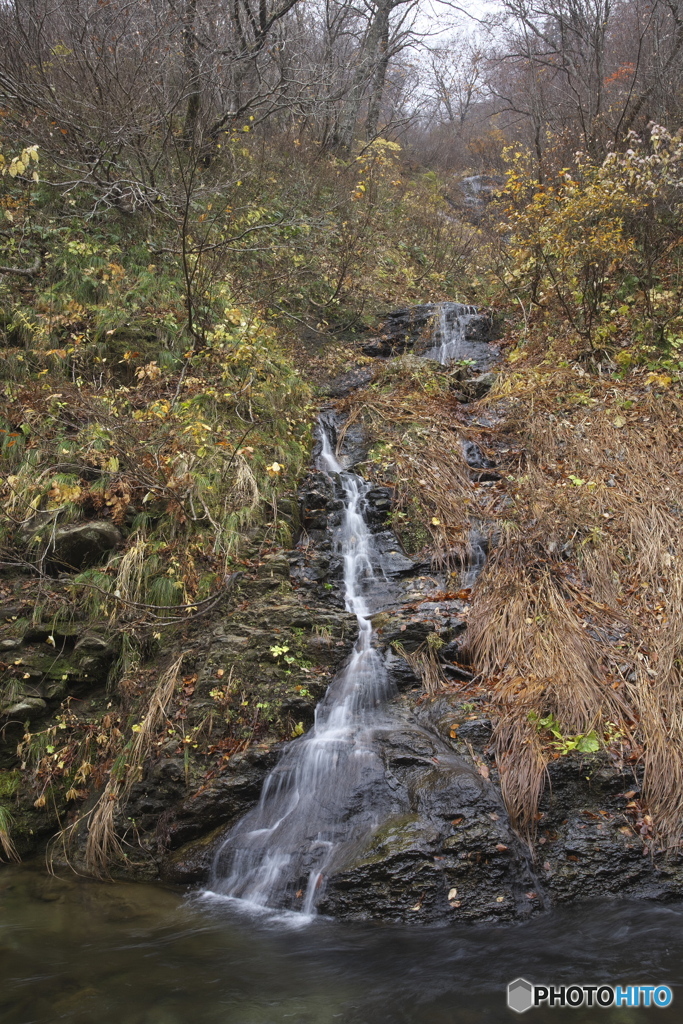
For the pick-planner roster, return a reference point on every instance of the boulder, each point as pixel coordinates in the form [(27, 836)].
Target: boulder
[(72, 546), (24, 708), (80, 545)]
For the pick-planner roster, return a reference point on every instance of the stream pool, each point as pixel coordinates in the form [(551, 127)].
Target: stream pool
[(118, 953)]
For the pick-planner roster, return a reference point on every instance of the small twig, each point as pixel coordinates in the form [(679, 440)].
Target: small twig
[(25, 271)]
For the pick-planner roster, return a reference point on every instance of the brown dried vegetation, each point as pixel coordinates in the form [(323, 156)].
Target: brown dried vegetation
[(577, 613)]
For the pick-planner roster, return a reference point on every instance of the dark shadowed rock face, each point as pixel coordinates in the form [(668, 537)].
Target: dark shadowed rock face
[(448, 854), (591, 843), (70, 547)]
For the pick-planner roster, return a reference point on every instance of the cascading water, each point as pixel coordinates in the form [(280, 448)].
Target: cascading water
[(321, 795), (330, 789), (449, 332)]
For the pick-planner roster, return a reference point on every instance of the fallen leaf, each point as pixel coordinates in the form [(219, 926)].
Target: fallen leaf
[(500, 899), (501, 847), (619, 422), (452, 893)]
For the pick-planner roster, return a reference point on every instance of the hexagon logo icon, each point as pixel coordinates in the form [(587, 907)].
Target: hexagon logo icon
[(520, 995)]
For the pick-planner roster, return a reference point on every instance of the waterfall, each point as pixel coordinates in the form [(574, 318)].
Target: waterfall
[(325, 791), (449, 334), (330, 790)]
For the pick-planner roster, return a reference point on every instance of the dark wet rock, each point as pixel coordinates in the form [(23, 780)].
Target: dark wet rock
[(414, 328), (479, 385), (477, 327), (69, 546), (589, 844), (43, 666), (24, 708), (476, 731), (192, 862), (221, 801), (449, 855), (474, 456), (74, 546), (400, 672), (451, 651), (485, 476), (354, 379), (379, 503)]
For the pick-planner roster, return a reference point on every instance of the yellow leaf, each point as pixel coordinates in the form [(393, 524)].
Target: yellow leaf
[(435, 521), (661, 380)]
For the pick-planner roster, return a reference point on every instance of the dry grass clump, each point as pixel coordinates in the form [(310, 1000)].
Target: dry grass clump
[(579, 612), (9, 850), (424, 662), (103, 844), (417, 426), (528, 637)]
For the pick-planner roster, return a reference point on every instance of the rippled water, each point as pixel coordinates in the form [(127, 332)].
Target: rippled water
[(91, 953)]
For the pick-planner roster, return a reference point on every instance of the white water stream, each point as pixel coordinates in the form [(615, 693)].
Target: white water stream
[(318, 799), (449, 332), (329, 790)]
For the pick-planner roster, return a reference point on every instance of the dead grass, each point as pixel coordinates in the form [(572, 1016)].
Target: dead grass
[(414, 417), (579, 611), (9, 850), (424, 662), (103, 843)]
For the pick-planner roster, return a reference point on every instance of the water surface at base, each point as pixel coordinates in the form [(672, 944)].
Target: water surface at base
[(83, 952)]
